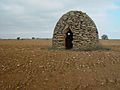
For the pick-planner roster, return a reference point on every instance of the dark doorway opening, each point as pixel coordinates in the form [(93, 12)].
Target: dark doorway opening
[(68, 40)]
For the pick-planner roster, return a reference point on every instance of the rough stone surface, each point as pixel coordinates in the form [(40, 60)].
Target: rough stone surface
[(84, 31)]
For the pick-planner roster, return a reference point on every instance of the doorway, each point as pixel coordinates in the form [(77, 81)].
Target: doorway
[(68, 40)]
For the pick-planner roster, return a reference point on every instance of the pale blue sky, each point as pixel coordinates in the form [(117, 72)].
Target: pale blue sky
[(37, 18)]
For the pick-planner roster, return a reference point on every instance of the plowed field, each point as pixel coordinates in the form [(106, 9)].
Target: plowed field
[(31, 65)]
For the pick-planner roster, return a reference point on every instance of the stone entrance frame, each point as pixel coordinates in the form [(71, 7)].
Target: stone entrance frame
[(84, 31), (64, 32)]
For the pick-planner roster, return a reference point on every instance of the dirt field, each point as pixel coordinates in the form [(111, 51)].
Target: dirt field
[(31, 65)]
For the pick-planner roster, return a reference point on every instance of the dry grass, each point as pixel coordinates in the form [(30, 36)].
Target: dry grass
[(30, 65)]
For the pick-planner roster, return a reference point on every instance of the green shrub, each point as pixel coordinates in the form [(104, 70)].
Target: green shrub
[(104, 37), (18, 38)]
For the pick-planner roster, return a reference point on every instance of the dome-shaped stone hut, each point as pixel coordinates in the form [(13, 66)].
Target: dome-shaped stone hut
[(76, 30)]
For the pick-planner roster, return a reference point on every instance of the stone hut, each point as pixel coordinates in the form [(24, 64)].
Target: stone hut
[(75, 30)]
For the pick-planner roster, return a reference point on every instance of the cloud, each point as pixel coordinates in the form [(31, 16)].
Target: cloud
[(45, 4), (15, 9), (19, 16)]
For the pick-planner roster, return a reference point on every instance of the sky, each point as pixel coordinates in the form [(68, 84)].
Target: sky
[(37, 18)]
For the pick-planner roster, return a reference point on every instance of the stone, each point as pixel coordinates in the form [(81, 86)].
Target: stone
[(75, 30)]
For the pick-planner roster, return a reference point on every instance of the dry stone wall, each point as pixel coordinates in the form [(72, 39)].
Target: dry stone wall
[(84, 31)]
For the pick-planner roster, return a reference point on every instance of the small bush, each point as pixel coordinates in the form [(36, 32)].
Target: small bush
[(104, 37), (18, 38), (33, 38)]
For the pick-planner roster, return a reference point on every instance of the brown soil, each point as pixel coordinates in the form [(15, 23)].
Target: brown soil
[(31, 65)]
